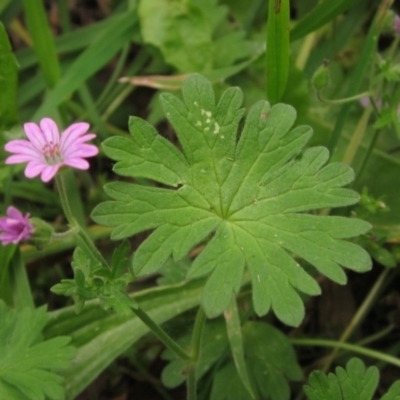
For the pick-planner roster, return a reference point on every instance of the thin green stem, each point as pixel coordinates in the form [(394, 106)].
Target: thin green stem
[(191, 384), (370, 149), (357, 137), (117, 101), (350, 347), (65, 202), (377, 132), (368, 51), (376, 336), (358, 317), (344, 100), (92, 111), (308, 44), (393, 47), (82, 235), (116, 72), (162, 335), (64, 235)]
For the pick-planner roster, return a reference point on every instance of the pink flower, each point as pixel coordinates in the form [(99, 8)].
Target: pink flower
[(46, 150), (396, 24), (14, 227), (365, 102)]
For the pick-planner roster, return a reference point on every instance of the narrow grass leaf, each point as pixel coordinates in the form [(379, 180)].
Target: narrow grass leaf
[(277, 49), (359, 72), (320, 15), (68, 42), (8, 81), (43, 41), (101, 51)]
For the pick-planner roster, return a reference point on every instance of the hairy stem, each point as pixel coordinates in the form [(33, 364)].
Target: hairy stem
[(82, 235), (350, 347), (344, 100), (162, 335), (357, 136)]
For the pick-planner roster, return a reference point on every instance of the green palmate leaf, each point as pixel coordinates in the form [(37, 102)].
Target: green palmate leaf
[(245, 196), (353, 383), (93, 281), (393, 393), (26, 361), (119, 261)]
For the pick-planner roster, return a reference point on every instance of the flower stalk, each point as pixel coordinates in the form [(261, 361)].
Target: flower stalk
[(82, 235)]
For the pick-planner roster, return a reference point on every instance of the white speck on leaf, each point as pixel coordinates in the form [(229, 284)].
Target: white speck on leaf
[(208, 114), (198, 123), (216, 128)]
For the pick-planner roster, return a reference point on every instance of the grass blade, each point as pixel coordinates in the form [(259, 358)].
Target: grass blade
[(43, 42), (101, 51), (360, 70), (69, 42), (8, 78), (277, 49), (320, 15)]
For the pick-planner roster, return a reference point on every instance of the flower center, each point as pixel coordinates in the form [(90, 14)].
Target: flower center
[(51, 152)]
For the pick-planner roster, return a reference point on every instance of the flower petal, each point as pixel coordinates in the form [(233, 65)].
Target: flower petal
[(14, 213), (78, 163), (15, 227), (18, 159), (50, 130), (81, 150), (3, 223), (35, 135), (6, 238), (21, 147), (49, 172), (72, 133), (34, 169)]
